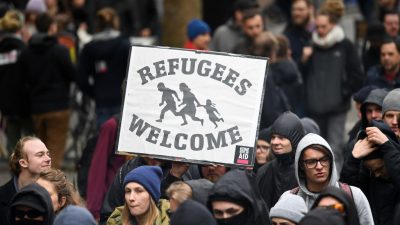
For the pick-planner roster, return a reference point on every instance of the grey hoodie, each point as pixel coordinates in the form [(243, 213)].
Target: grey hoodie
[(361, 202)]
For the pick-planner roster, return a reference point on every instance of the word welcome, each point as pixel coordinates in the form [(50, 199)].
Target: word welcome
[(182, 141)]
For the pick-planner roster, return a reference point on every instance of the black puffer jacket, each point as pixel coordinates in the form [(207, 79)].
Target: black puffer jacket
[(240, 186)]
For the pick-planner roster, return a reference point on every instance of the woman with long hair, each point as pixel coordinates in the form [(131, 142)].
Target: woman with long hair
[(142, 199)]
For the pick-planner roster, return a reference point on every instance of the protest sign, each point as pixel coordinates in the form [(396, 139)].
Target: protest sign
[(201, 107)]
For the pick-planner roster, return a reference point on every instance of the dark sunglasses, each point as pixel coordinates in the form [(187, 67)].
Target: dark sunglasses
[(30, 214)]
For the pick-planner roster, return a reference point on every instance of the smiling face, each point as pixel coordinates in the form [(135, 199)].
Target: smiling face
[(37, 157), (280, 144), (137, 199), (316, 166)]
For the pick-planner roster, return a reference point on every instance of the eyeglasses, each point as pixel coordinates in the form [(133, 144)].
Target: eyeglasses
[(29, 214), (263, 147), (338, 206), (312, 163)]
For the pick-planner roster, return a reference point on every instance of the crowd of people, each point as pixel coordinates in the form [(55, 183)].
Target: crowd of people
[(304, 172)]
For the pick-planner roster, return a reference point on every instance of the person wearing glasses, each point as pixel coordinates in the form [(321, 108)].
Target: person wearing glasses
[(335, 198), (263, 149), (315, 170)]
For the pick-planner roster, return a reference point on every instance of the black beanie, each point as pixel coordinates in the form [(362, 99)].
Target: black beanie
[(289, 126)]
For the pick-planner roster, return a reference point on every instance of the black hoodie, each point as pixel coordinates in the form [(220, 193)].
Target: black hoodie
[(238, 186), (279, 176), (383, 194), (323, 216), (193, 213), (49, 70), (40, 193)]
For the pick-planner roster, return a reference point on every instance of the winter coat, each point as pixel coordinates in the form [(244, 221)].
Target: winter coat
[(333, 75), (7, 191), (383, 194), (375, 76), (105, 60), (299, 38), (278, 176), (361, 202), (239, 186), (49, 71), (14, 98), (162, 219)]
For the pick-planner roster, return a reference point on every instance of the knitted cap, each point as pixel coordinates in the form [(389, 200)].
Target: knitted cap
[(363, 93), (265, 134), (37, 6), (376, 97), (290, 207), (147, 176), (391, 101), (197, 27), (289, 126)]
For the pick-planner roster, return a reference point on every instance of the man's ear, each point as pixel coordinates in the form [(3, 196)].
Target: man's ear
[(62, 201), (23, 163)]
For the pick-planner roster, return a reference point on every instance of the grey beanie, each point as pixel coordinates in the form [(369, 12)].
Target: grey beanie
[(391, 101), (376, 96), (289, 206)]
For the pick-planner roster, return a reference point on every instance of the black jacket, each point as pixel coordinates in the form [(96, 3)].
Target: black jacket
[(383, 194), (299, 37), (278, 176), (240, 186), (14, 98), (7, 191), (49, 71), (105, 60), (333, 75)]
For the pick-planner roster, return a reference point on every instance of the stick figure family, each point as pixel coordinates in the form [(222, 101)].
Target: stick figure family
[(188, 103)]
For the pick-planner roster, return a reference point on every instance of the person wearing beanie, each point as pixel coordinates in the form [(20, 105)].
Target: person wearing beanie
[(315, 170), (198, 33), (36, 6), (263, 152), (73, 215), (373, 165), (290, 209), (142, 195), (278, 176), (235, 200), (391, 110)]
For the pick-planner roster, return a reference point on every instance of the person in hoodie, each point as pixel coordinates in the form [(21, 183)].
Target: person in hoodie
[(31, 206), (323, 216), (374, 166), (49, 72), (105, 60), (338, 199), (332, 72), (235, 200), (315, 170), (193, 213), (278, 176), (14, 102)]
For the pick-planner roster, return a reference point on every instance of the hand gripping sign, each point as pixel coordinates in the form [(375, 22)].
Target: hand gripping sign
[(201, 107)]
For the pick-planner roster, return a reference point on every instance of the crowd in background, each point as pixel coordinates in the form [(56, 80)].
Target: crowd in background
[(307, 169)]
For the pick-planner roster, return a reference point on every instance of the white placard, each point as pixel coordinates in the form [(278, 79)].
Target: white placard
[(194, 106)]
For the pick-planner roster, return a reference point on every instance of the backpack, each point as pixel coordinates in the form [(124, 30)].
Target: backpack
[(343, 186)]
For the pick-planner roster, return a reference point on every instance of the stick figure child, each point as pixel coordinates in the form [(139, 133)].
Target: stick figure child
[(212, 111)]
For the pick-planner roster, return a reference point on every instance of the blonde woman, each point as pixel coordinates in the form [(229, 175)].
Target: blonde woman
[(142, 199)]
